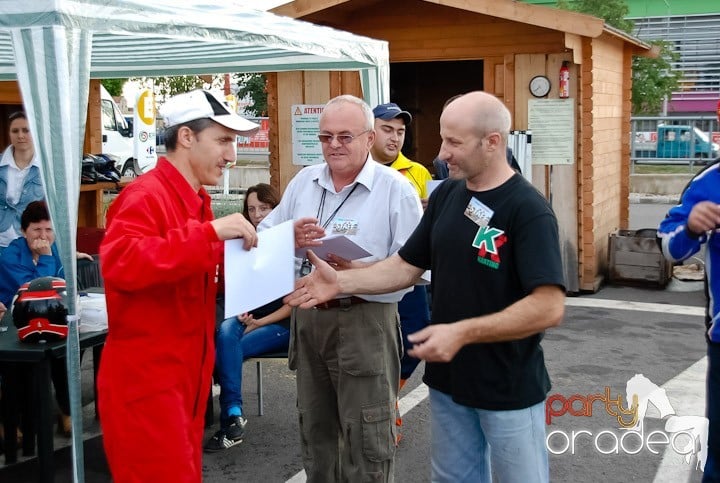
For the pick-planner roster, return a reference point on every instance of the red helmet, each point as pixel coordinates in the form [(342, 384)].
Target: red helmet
[(40, 310)]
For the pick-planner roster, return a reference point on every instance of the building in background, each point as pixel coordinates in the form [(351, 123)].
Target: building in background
[(694, 30)]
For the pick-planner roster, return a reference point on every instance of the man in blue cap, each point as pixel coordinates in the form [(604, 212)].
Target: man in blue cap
[(390, 127)]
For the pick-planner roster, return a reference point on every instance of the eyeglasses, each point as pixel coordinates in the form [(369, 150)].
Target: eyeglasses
[(342, 138)]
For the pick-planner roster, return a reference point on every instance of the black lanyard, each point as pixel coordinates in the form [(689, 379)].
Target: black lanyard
[(332, 215)]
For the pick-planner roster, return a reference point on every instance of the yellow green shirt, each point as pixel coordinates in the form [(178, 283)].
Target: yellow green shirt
[(416, 173)]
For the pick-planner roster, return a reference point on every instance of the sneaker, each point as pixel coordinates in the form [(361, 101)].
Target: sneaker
[(228, 437), (236, 430)]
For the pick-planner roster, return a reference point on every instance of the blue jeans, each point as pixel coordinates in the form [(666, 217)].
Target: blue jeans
[(414, 316), (469, 444), (712, 465), (233, 347)]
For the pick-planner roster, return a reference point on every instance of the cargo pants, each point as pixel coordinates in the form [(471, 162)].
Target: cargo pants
[(348, 370)]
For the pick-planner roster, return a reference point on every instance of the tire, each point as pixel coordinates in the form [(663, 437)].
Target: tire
[(131, 169)]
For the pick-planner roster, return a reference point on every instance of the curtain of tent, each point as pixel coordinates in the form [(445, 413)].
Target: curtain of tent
[(375, 83), (53, 70)]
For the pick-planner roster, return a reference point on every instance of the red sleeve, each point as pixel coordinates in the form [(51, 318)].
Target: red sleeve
[(149, 237)]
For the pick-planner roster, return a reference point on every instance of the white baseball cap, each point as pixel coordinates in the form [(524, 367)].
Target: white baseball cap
[(200, 104)]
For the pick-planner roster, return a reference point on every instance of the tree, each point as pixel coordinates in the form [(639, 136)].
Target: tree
[(612, 11), (253, 86), (166, 87), (654, 79), (114, 86)]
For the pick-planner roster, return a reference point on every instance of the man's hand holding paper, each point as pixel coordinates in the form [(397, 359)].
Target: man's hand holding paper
[(342, 247)]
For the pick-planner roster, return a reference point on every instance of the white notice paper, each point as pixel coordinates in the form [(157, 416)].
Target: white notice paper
[(258, 276), (339, 245), (552, 122)]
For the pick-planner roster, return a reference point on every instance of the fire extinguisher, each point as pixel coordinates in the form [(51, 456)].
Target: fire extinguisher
[(718, 111), (564, 86)]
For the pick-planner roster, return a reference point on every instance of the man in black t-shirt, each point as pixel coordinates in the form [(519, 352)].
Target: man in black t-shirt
[(491, 240)]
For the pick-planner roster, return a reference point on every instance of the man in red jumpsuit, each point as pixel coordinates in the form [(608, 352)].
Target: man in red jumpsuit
[(160, 257)]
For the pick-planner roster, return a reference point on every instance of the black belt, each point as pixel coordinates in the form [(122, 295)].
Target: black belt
[(342, 303)]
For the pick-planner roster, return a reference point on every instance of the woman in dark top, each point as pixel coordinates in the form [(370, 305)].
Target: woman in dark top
[(264, 330)]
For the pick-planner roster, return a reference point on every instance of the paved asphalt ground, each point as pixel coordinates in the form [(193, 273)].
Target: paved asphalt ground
[(606, 339)]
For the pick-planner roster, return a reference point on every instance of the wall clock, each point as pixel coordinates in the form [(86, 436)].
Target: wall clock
[(539, 86)]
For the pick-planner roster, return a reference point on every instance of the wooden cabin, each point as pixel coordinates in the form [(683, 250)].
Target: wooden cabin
[(442, 48)]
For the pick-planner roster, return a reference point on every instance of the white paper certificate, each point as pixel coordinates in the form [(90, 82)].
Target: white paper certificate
[(339, 245), (262, 274)]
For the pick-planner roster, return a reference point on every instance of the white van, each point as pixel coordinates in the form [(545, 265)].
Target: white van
[(117, 136)]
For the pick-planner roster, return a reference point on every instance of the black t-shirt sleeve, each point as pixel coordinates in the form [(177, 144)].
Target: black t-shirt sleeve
[(537, 246)]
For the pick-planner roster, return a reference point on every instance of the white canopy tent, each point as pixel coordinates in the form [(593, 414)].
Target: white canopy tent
[(54, 47)]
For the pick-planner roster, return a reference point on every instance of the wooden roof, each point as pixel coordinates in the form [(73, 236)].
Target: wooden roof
[(514, 10)]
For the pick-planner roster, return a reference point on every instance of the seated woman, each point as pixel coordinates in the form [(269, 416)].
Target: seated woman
[(33, 255), (266, 329)]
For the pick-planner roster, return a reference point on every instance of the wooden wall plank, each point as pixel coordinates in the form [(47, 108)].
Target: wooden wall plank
[(274, 127), (10, 93), (493, 76), (316, 87), (586, 243), (290, 91), (574, 43), (608, 93), (350, 84), (563, 183), (528, 66), (442, 33), (463, 53), (509, 88), (93, 127), (625, 140)]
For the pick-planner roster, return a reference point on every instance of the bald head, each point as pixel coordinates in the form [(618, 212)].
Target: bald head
[(485, 112), (474, 130)]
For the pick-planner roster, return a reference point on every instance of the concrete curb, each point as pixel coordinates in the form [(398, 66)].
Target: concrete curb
[(662, 184)]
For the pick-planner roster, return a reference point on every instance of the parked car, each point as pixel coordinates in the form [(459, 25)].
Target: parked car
[(675, 141)]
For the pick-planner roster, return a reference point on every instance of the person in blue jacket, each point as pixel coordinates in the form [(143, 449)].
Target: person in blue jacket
[(30, 256), (689, 225), (34, 255)]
